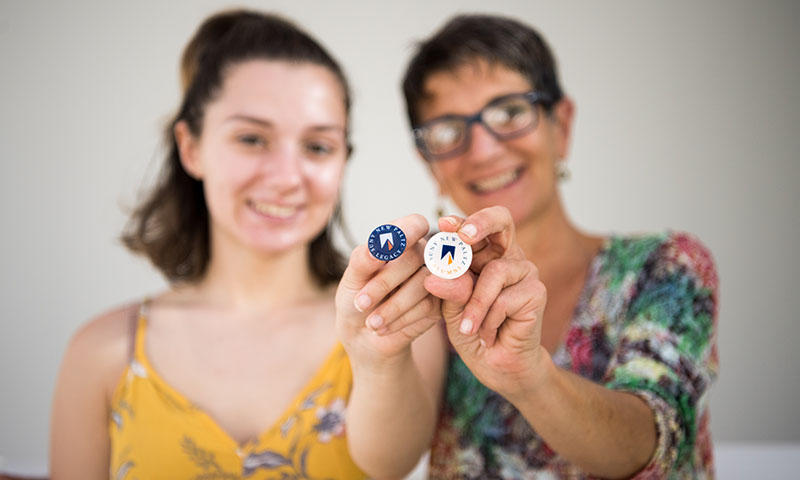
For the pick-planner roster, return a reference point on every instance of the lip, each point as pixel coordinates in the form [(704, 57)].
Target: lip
[(274, 211), (515, 173)]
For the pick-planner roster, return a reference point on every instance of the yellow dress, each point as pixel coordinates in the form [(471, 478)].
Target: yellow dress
[(156, 433)]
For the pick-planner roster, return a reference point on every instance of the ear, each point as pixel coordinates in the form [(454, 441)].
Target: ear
[(563, 113), (187, 148)]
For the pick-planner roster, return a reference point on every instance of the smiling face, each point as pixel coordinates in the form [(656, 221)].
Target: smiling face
[(271, 153), (519, 173)]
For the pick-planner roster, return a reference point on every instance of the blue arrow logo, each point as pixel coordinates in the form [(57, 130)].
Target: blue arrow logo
[(451, 249)]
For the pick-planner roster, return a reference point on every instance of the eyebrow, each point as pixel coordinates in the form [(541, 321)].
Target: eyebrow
[(266, 123), (249, 119)]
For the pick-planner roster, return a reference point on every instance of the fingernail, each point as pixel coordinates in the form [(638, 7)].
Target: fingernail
[(482, 342), (469, 230), (466, 326), (363, 302), (374, 321), (449, 220)]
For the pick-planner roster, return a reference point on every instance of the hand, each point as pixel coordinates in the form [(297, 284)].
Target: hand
[(493, 314), (381, 307)]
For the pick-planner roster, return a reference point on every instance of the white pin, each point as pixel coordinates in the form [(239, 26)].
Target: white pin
[(447, 256)]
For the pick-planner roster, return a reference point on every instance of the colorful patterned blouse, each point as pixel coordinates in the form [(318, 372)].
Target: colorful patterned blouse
[(156, 433), (645, 323)]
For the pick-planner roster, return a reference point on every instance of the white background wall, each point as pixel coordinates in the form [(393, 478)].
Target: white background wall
[(687, 118)]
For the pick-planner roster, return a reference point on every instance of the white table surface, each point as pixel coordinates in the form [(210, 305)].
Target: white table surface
[(734, 461)]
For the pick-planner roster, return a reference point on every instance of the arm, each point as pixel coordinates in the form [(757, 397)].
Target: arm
[(665, 360), (398, 367), (393, 408), (608, 432), (92, 363)]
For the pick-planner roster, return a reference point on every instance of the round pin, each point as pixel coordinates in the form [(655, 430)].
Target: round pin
[(386, 242), (447, 256)]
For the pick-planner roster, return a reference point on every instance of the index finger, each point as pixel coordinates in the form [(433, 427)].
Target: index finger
[(494, 224)]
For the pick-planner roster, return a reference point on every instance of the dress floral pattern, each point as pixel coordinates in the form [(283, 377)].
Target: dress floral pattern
[(645, 323), (156, 433)]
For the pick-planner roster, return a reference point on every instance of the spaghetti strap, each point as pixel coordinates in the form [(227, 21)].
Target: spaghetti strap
[(139, 335)]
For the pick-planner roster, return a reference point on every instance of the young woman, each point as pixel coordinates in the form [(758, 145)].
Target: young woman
[(236, 371), (611, 379)]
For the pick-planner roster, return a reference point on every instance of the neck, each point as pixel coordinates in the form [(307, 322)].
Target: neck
[(247, 280), (557, 247)]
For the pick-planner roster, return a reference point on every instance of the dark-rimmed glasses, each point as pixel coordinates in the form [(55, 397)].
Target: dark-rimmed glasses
[(505, 117)]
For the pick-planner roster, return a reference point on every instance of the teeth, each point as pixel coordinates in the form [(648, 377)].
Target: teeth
[(273, 210), (496, 182)]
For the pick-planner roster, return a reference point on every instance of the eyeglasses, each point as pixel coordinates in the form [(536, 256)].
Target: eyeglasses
[(505, 117)]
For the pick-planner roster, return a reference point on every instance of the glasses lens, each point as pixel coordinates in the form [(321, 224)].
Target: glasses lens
[(444, 136), (510, 116)]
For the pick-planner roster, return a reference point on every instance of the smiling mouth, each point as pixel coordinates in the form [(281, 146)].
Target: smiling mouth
[(272, 210), (497, 182)]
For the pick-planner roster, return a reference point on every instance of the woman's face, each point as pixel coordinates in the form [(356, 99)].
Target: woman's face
[(271, 153), (520, 173)]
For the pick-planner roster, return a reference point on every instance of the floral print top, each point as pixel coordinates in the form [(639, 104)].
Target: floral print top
[(156, 433), (645, 323)]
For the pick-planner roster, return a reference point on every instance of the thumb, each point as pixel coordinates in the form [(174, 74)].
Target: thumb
[(455, 294)]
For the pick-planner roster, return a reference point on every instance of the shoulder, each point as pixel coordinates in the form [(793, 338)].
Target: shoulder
[(101, 348), (93, 363), (673, 254), (108, 333), (681, 255), (676, 288)]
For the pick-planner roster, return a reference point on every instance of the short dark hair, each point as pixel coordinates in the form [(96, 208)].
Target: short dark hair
[(171, 225), (467, 38)]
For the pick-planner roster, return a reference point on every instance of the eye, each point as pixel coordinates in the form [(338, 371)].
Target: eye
[(510, 115), (319, 149), (252, 140), (445, 135)]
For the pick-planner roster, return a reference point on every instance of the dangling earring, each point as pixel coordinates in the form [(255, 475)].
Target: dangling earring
[(562, 171), (439, 208)]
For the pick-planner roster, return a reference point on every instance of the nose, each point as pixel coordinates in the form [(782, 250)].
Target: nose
[(284, 168), (484, 146)]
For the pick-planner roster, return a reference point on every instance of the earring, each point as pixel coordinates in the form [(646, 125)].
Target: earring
[(439, 208), (562, 171)]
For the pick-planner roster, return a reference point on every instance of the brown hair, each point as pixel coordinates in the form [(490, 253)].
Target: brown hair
[(498, 40), (171, 225)]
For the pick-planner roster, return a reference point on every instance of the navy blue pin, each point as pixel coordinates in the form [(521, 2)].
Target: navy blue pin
[(386, 242)]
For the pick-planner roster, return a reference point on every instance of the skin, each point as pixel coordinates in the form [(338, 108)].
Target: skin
[(392, 382), (527, 256), (270, 155)]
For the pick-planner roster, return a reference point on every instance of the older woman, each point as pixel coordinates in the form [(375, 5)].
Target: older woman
[(611, 380)]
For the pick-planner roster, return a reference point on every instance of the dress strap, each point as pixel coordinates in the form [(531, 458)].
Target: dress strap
[(141, 328)]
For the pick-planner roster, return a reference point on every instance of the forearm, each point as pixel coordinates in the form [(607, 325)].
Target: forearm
[(607, 433), (390, 417)]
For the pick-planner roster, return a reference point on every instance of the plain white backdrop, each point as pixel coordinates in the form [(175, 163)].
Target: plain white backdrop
[(687, 118)]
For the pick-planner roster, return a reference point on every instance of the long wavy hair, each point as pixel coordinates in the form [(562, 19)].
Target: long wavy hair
[(170, 226)]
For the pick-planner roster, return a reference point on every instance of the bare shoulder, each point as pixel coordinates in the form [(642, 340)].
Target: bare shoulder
[(93, 363), (108, 328), (102, 347)]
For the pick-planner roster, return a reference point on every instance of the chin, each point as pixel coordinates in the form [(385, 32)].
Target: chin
[(276, 243), (281, 238)]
